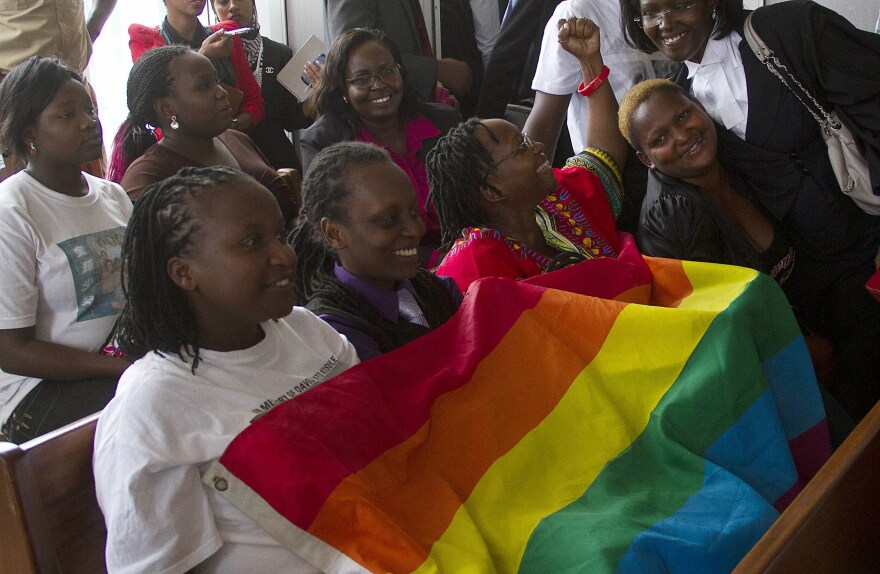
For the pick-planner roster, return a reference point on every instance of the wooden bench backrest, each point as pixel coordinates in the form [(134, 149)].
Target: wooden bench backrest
[(834, 523), (51, 521)]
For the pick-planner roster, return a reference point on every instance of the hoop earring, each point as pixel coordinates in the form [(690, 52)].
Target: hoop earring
[(174, 123)]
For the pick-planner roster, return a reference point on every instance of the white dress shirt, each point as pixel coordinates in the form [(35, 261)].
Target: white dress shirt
[(719, 83)]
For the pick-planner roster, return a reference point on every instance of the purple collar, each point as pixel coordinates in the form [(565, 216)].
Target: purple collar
[(385, 300)]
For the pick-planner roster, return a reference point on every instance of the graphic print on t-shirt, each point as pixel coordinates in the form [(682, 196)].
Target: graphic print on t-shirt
[(328, 370), (95, 260)]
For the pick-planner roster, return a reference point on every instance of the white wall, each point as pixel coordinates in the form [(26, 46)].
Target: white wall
[(304, 18), (272, 19)]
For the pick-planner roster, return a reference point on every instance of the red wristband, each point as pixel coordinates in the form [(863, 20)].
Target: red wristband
[(588, 89)]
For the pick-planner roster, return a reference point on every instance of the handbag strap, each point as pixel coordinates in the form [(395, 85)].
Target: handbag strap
[(767, 57)]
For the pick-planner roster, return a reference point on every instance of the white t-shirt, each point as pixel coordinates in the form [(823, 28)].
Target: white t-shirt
[(559, 73), (59, 267), (166, 425)]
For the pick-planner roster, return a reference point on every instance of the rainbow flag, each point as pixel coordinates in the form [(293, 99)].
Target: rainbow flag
[(660, 427)]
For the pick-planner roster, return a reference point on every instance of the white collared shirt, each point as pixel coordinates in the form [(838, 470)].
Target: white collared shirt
[(719, 83)]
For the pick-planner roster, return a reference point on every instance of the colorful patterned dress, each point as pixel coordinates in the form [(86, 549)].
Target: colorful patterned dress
[(578, 218)]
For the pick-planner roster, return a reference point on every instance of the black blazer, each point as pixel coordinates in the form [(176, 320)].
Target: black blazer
[(283, 110), (783, 154)]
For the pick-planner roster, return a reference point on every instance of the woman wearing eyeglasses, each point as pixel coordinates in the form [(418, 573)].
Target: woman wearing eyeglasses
[(766, 135), (504, 212), (363, 95)]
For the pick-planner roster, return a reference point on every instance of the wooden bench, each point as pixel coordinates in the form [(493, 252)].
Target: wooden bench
[(50, 521), (834, 523)]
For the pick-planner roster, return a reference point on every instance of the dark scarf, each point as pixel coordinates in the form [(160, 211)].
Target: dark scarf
[(330, 297)]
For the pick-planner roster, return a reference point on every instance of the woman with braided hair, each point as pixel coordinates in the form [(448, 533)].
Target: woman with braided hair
[(209, 318), (181, 26), (357, 265), (175, 89), (504, 212), (365, 95)]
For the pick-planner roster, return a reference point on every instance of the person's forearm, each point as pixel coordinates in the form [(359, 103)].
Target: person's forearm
[(51, 361), (101, 10), (602, 130)]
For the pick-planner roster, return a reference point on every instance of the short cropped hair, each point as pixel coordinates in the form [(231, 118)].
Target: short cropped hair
[(635, 97)]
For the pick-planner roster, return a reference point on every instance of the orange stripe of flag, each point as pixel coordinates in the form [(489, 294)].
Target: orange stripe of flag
[(670, 284), (405, 481)]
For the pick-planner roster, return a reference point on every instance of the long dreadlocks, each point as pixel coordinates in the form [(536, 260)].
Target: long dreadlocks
[(457, 167), (157, 316), (325, 188)]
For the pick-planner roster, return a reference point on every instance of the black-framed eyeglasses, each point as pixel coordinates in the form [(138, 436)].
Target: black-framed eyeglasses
[(364, 81), (526, 143), (654, 18)]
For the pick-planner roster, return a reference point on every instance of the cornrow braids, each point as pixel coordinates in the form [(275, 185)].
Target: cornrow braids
[(148, 81), (324, 189), (634, 98), (457, 167), (157, 316), (25, 93)]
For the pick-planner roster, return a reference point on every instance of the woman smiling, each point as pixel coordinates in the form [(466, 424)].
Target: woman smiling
[(505, 212), (694, 208), (364, 96), (767, 137), (358, 266)]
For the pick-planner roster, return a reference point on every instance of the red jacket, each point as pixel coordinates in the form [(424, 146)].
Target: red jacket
[(143, 38)]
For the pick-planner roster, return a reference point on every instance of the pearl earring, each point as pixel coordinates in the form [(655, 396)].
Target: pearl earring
[(714, 15), (344, 99), (174, 123), (33, 149)]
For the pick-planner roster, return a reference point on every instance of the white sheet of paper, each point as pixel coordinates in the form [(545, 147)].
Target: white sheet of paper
[(291, 75)]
